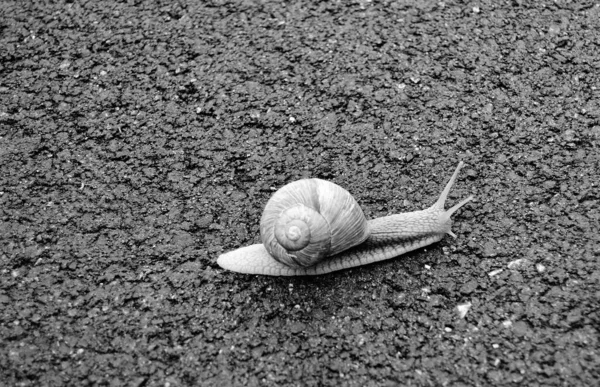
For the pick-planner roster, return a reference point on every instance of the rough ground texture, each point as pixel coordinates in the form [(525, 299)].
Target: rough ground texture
[(139, 140)]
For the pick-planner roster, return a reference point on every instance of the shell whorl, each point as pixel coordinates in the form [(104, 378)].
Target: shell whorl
[(308, 220)]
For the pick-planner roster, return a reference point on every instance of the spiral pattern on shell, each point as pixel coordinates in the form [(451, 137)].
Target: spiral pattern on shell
[(308, 220)]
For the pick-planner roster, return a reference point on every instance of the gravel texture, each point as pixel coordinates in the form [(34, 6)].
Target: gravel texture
[(141, 139)]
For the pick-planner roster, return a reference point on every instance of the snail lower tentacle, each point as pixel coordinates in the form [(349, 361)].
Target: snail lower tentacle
[(388, 237)]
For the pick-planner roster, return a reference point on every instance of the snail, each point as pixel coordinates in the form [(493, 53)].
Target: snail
[(312, 227)]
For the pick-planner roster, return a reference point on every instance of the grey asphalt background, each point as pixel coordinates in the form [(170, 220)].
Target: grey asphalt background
[(141, 139)]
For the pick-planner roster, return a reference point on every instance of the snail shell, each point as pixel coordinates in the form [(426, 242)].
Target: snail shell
[(308, 220)]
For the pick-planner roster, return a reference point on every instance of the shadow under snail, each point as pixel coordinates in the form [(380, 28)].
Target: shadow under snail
[(313, 226)]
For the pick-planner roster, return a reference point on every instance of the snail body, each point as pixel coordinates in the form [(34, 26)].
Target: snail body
[(312, 227)]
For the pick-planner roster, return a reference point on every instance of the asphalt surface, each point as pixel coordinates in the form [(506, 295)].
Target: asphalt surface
[(140, 140)]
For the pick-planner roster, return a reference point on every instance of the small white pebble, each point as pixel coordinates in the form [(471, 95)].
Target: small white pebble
[(517, 263), (495, 272), (463, 309), (507, 324), (540, 268)]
